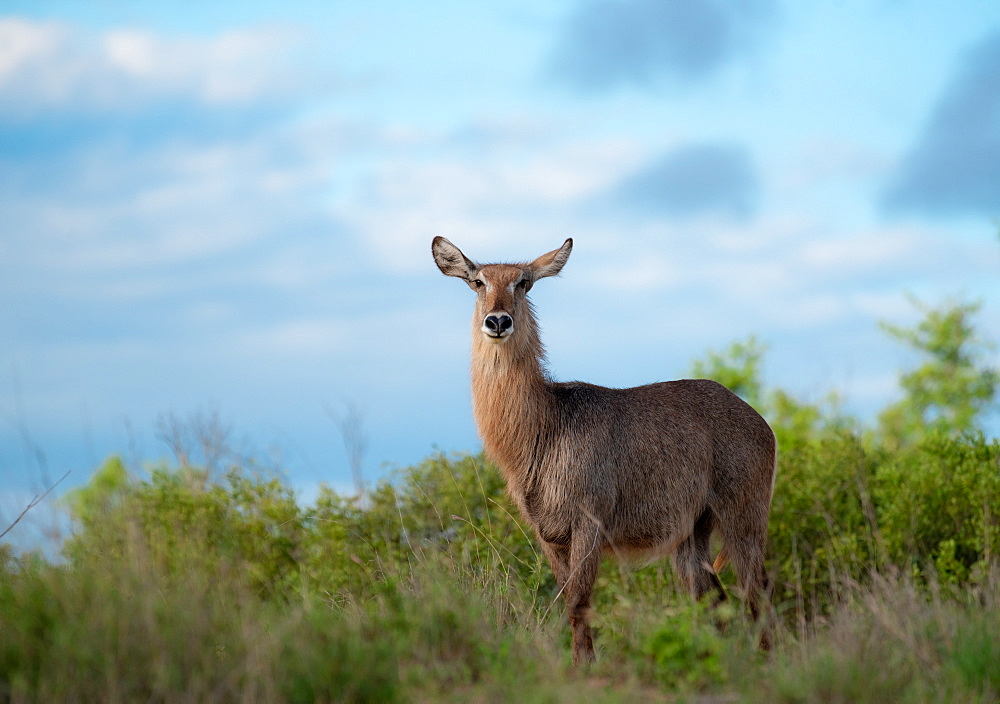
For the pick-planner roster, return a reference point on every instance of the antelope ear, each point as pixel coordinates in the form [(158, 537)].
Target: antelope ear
[(552, 263), (451, 261)]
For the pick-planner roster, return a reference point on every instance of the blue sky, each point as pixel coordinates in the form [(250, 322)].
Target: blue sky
[(226, 210)]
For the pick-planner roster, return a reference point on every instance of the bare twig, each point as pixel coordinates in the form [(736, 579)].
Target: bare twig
[(34, 502), (202, 432), (351, 429)]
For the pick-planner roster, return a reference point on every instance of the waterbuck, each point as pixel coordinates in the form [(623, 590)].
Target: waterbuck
[(639, 473)]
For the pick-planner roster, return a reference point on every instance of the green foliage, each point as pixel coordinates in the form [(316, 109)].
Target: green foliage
[(683, 651), (950, 390), (894, 642), (101, 494), (454, 507), (857, 674), (938, 503), (178, 520), (333, 658), (974, 656), (178, 588), (824, 524)]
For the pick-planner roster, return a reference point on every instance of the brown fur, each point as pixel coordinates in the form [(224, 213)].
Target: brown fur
[(639, 473)]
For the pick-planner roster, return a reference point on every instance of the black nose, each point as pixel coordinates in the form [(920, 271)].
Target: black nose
[(497, 325)]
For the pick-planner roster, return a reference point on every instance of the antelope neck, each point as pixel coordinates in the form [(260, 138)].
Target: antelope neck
[(510, 396)]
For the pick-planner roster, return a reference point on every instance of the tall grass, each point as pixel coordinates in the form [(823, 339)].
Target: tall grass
[(178, 588)]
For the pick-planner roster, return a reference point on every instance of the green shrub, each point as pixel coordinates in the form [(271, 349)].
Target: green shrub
[(938, 504), (683, 651), (823, 531), (895, 641), (175, 587), (975, 654)]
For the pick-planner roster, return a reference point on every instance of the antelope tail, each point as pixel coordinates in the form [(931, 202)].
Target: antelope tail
[(721, 560)]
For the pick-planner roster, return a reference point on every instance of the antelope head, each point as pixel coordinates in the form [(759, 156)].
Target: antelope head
[(501, 289)]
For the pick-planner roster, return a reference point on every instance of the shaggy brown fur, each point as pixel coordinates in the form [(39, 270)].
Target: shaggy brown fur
[(640, 473)]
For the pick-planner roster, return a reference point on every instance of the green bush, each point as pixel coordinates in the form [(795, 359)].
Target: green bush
[(175, 587), (938, 504), (894, 641), (683, 651), (823, 528)]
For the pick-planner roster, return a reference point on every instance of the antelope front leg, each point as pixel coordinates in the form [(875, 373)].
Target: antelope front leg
[(584, 562)]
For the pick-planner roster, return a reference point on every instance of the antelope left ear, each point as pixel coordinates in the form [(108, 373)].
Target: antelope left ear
[(451, 261), (552, 263)]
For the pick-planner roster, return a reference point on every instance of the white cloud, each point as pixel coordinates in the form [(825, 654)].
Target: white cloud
[(647, 271), (791, 269), (296, 338), (111, 209), (868, 249), (518, 198), (821, 160), (23, 42), (878, 305), (55, 66)]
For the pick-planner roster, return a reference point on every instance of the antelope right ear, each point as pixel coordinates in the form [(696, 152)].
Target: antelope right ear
[(451, 261), (552, 263)]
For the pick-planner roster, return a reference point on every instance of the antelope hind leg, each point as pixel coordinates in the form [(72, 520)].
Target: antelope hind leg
[(693, 563), (558, 557), (747, 558)]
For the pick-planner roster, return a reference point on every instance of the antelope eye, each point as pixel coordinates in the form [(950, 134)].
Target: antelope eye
[(478, 283)]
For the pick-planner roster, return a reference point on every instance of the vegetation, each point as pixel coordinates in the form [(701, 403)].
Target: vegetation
[(183, 585)]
